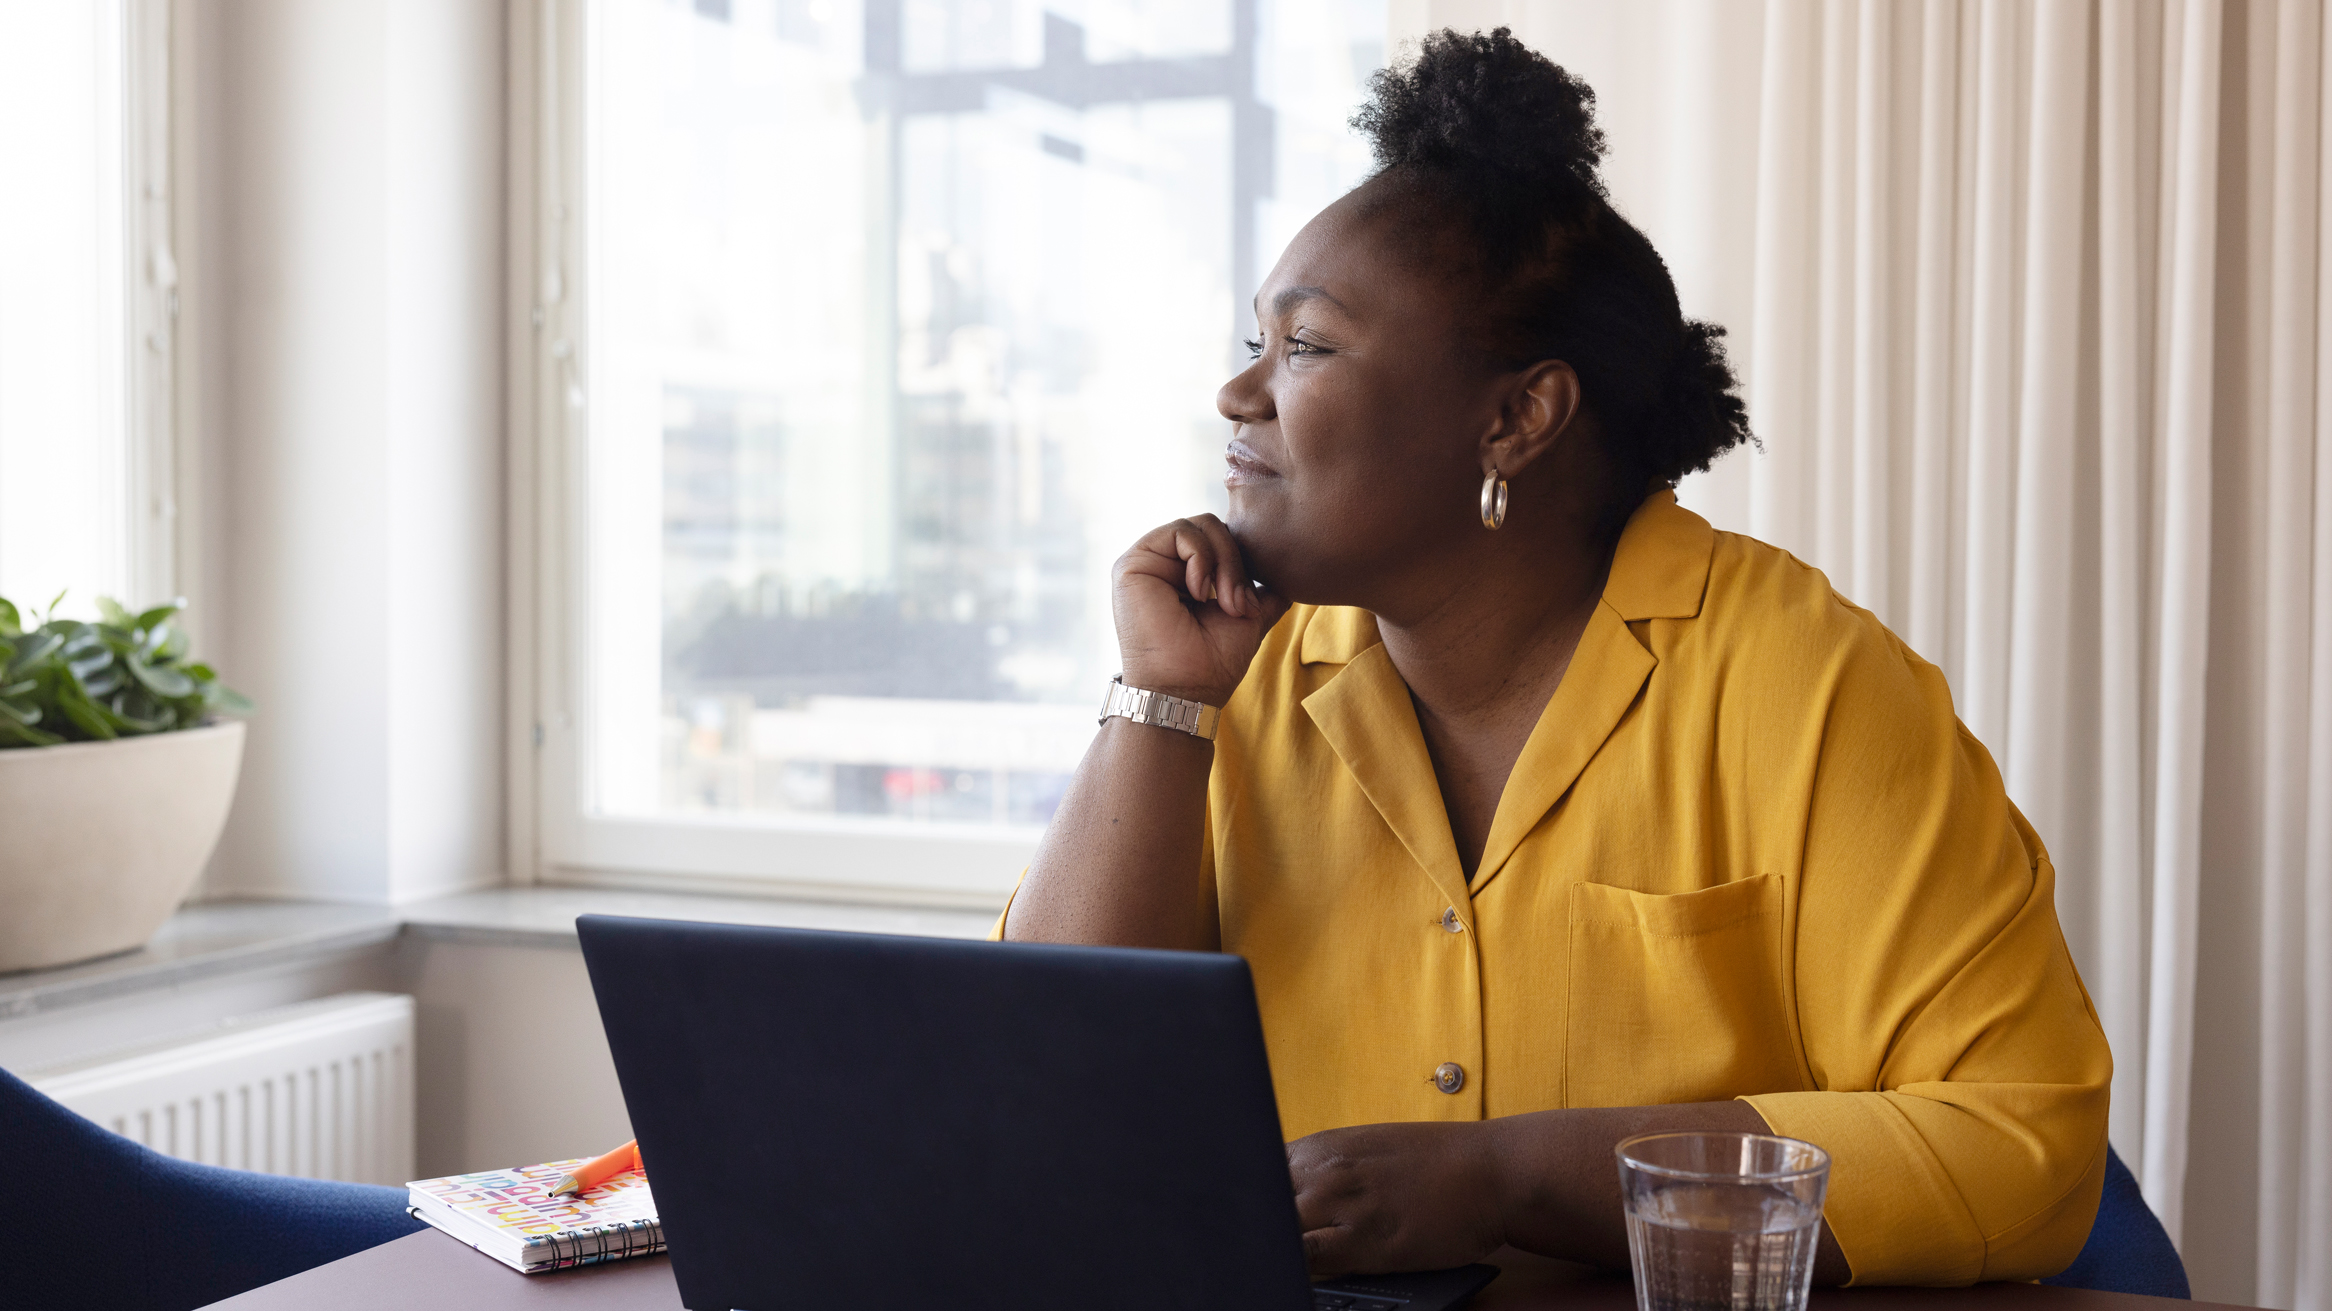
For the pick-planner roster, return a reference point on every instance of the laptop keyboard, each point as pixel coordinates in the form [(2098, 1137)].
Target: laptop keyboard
[(1323, 1300)]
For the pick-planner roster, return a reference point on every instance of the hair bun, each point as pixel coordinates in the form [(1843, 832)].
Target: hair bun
[(1456, 107), (1488, 155)]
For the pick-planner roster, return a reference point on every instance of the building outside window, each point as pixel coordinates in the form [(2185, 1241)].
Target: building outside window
[(904, 318)]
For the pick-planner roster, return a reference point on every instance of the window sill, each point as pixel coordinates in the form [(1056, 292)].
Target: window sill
[(214, 939)]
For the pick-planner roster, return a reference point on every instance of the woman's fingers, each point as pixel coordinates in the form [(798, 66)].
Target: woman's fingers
[(1201, 558), (1188, 620), (1328, 1251), (1197, 551), (1179, 553), (1165, 553), (1226, 579)]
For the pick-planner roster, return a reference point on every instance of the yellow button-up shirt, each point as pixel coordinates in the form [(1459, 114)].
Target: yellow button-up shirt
[(1748, 851)]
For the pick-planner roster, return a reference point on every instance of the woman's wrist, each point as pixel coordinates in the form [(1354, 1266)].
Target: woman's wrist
[(1206, 694)]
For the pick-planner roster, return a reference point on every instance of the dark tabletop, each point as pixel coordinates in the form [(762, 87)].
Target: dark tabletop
[(430, 1272)]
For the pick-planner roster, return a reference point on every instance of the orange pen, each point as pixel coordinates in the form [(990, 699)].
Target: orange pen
[(598, 1170)]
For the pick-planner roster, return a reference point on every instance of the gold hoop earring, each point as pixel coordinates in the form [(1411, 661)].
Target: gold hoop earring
[(1493, 500)]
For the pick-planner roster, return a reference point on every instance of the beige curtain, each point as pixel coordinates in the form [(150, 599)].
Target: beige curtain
[(2029, 299)]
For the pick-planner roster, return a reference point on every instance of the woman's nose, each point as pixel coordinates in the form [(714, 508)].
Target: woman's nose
[(1244, 399)]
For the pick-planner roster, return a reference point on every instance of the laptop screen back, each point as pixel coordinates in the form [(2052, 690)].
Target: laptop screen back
[(834, 1119)]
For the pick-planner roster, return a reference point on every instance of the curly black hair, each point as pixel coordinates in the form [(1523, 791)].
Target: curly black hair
[(1486, 132)]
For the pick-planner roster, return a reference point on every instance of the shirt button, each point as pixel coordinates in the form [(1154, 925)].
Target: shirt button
[(1451, 922), (1449, 1076)]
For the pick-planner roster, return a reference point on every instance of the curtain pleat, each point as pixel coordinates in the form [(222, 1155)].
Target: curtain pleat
[(2115, 932), (2183, 624), (1833, 325), (1986, 534), (1781, 366), (1935, 345), (2291, 421), (1868, 498), (2298, 1194), (2041, 605)]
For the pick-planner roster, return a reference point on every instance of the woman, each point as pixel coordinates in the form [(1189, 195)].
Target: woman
[(1543, 813)]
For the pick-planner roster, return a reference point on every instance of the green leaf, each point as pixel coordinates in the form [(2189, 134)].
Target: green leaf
[(115, 678), (139, 714), (163, 681), (86, 715), (11, 623), (159, 613), (218, 696), (55, 601), (38, 647), (13, 734), (96, 659)]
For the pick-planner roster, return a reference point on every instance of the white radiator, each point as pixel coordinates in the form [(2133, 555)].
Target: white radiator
[(322, 1089)]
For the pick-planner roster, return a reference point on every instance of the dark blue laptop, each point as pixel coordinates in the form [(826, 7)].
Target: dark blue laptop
[(851, 1120)]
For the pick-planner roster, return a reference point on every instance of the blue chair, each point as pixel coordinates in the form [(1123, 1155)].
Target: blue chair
[(2128, 1250), (101, 1222)]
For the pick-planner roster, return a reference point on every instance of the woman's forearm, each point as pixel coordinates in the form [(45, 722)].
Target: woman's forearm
[(1558, 1180), (1119, 864)]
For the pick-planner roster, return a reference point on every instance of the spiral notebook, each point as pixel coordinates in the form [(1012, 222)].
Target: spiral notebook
[(509, 1215)]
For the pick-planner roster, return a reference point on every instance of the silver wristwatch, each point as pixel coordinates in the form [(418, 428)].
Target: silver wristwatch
[(1145, 707)]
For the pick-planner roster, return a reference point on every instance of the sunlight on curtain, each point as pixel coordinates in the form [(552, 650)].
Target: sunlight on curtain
[(2028, 297)]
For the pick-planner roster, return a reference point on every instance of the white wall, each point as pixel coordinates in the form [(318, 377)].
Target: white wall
[(513, 1065), (345, 246)]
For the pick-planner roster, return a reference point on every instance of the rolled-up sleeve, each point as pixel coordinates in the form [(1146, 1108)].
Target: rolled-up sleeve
[(1961, 1071)]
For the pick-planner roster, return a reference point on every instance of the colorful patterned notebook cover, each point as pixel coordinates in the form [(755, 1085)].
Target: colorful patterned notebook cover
[(509, 1215)]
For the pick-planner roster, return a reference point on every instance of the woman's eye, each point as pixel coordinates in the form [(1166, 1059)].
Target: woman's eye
[(1295, 345)]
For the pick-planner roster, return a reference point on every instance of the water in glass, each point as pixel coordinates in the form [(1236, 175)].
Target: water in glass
[(1722, 1222), (1737, 1246)]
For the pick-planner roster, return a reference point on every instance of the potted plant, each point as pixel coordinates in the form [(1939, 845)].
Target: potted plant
[(115, 778)]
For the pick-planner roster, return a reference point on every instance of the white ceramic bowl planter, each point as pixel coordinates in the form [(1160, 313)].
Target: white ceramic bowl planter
[(103, 839)]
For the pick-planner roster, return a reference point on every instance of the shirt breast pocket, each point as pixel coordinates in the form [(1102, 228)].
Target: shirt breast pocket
[(1678, 998)]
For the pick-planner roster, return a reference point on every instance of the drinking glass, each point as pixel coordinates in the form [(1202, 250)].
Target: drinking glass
[(1722, 1220)]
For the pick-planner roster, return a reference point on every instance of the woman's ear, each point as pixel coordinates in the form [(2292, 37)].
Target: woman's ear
[(1540, 411)]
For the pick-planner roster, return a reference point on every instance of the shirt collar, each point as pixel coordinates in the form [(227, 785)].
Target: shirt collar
[(1660, 571)]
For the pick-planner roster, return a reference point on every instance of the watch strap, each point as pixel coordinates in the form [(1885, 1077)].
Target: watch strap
[(1146, 707)]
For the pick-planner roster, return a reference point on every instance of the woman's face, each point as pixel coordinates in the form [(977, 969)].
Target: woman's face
[(1355, 461)]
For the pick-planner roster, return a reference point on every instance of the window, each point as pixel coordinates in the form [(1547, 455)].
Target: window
[(85, 308), (893, 323)]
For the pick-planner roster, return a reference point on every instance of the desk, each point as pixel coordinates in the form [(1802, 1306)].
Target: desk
[(429, 1272)]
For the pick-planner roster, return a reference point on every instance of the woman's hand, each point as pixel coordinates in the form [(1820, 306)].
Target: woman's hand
[(1188, 618), (1377, 1198)]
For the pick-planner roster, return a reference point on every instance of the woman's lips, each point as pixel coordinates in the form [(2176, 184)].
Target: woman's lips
[(1243, 466)]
